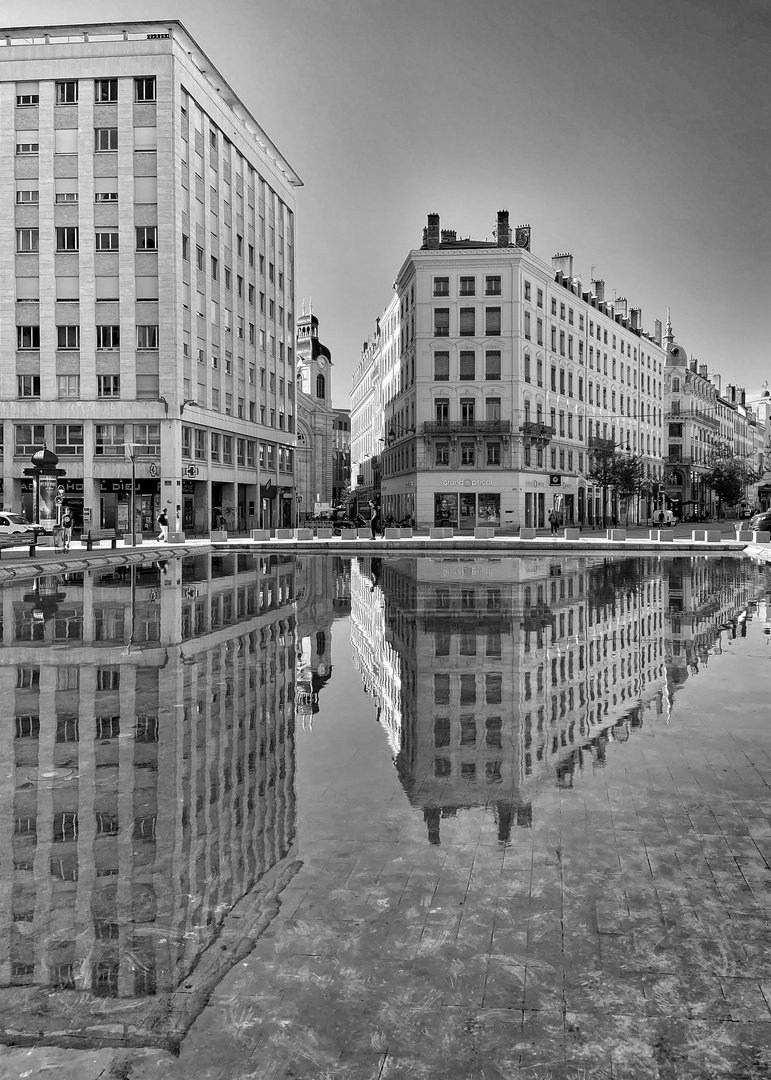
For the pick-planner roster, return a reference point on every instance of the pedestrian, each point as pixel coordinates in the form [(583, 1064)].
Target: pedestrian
[(554, 520), (163, 521), (374, 518), (66, 528), (661, 517)]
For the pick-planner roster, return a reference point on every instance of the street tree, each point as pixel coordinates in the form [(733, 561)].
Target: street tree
[(605, 465), (729, 475)]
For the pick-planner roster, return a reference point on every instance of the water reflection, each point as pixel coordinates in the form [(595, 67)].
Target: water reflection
[(494, 677), (148, 752)]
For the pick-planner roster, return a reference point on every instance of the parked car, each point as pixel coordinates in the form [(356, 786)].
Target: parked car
[(14, 525), (761, 521)]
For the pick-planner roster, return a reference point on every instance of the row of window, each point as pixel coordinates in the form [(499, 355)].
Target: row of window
[(467, 366), (202, 445), (105, 141), (105, 190), (467, 322), (68, 438), (467, 286), (68, 337), (68, 239), (107, 386), (105, 91)]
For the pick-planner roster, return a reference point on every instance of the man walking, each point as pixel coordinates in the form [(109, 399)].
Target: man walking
[(66, 528), (554, 520), (163, 522)]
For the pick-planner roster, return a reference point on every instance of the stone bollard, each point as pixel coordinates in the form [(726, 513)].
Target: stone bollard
[(698, 535), (745, 535), (713, 536), (324, 533), (405, 534), (526, 533), (303, 534), (761, 537), (393, 534), (616, 534), (284, 534), (348, 534), (436, 533), (484, 532), (571, 534), (663, 535), (260, 534)]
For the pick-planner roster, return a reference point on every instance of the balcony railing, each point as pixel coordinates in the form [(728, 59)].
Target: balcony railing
[(534, 429), (693, 414), (467, 427), (596, 442)]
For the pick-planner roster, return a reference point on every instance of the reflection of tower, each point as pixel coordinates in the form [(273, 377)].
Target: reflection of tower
[(323, 595), (154, 787), (511, 674)]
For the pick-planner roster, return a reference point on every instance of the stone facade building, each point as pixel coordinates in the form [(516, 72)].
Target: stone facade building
[(147, 301)]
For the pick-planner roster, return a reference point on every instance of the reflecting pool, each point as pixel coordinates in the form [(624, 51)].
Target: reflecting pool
[(387, 816)]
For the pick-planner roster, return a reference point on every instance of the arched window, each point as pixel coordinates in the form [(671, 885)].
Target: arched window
[(320, 386)]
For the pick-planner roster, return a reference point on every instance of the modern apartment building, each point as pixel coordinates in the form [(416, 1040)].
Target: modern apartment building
[(508, 373), (147, 271)]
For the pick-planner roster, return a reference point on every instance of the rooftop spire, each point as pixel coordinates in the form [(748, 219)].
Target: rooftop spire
[(669, 336)]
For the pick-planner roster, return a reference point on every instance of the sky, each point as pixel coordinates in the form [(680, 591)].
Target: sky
[(633, 133)]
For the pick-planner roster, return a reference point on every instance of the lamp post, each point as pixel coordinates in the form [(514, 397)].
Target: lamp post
[(132, 456)]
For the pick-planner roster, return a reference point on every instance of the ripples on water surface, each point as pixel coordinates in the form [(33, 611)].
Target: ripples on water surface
[(152, 792)]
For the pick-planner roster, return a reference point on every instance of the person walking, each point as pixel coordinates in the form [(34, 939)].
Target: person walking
[(66, 528), (163, 522), (374, 518), (554, 520)]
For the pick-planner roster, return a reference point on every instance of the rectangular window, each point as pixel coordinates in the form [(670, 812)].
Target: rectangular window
[(27, 240), (67, 92), (467, 323), (468, 286), (442, 410), (28, 337), (144, 88), (27, 196), (109, 440), (108, 337), (539, 298), (28, 438), (493, 453), (26, 146), (493, 320), (527, 325), (68, 337), (467, 453), (108, 386), (27, 94), (441, 286), (106, 241), (467, 370), (147, 237), (442, 366), (28, 386), (67, 238), (106, 196), (492, 365), (68, 386), (493, 285), (147, 337), (442, 456), (539, 331), (69, 437), (441, 315), (105, 91), (527, 291), (105, 139)]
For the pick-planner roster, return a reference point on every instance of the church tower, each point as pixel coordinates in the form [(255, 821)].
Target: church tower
[(314, 471)]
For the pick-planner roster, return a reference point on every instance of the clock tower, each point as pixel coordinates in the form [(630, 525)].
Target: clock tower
[(314, 470)]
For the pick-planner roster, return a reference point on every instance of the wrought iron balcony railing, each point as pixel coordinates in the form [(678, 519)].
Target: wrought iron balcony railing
[(467, 427)]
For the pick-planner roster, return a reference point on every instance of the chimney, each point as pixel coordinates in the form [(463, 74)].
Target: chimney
[(693, 366), (635, 316), (657, 331), (598, 287), (620, 307), (503, 232), (703, 371), (743, 395), (717, 380), (449, 236), (431, 232), (563, 261)]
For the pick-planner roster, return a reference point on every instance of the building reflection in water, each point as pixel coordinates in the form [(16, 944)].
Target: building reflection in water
[(493, 677), (148, 752), (323, 595)]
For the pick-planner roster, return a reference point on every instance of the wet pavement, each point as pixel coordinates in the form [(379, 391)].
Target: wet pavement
[(524, 820)]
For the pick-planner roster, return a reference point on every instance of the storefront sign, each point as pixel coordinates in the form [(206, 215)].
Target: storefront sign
[(535, 483), (468, 483), (47, 486)]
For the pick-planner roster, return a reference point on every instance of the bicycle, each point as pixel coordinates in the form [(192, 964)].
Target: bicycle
[(60, 538)]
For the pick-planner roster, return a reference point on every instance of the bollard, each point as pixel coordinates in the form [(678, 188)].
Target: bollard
[(89, 543), (32, 548), (114, 543)]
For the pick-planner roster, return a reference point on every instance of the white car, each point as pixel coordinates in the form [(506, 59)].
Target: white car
[(14, 525)]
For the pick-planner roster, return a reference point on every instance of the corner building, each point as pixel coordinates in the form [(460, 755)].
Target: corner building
[(510, 373), (146, 281)]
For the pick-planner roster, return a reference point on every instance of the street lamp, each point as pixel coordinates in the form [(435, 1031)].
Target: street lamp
[(187, 401), (131, 451)]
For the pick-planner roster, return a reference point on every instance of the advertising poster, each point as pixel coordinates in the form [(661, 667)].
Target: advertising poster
[(47, 486)]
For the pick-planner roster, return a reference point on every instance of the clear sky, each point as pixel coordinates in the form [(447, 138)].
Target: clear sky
[(634, 133)]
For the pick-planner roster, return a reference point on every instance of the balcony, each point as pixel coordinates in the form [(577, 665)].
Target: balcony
[(467, 427), (596, 442), (534, 429), (694, 414)]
